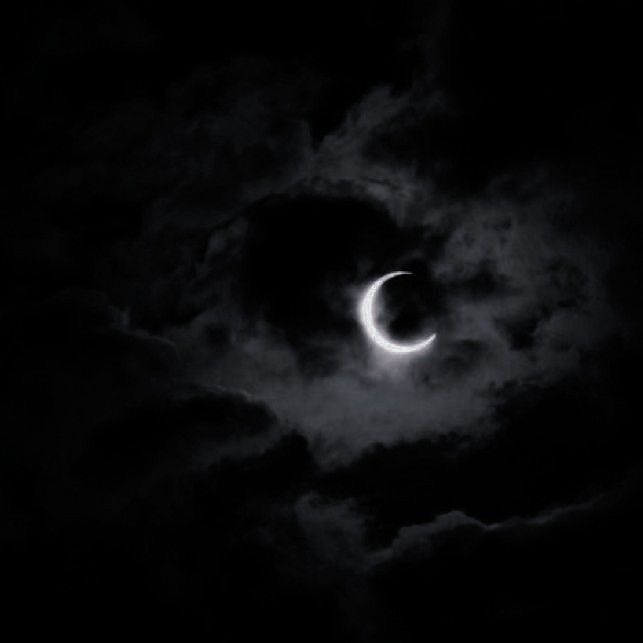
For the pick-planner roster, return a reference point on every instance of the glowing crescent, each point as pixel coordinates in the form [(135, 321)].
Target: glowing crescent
[(367, 317)]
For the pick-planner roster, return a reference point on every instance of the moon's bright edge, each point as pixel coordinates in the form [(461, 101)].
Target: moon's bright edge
[(375, 334)]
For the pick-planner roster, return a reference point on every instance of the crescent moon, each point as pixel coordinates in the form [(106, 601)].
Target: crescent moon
[(367, 318)]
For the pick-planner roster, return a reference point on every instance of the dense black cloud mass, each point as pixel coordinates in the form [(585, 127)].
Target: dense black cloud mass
[(198, 441)]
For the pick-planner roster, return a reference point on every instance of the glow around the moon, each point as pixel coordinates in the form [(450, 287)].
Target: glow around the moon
[(376, 335)]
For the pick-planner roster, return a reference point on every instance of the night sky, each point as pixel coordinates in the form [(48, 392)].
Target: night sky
[(198, 440)]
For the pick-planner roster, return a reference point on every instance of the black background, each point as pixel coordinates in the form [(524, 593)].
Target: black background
[(137, 499)]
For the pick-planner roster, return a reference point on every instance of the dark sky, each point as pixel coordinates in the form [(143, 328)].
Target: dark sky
[(199, 441)]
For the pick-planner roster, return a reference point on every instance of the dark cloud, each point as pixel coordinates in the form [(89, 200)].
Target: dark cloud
[(506, 575), (522, 468), (460, 358), (197, 438), (185, 431)]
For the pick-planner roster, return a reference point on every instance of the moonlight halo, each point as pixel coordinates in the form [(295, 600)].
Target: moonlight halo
[(375, 334)]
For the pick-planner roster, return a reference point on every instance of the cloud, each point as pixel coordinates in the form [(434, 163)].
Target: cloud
[(205, 260), (502, 314), (197, 437), (259, 292)]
